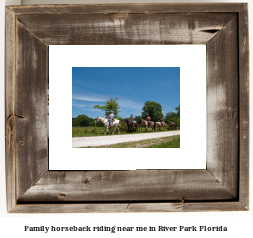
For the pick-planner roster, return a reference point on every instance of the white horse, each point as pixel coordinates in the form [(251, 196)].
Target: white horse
[(105, 121)]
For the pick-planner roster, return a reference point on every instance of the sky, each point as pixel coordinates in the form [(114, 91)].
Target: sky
[(132, 85)]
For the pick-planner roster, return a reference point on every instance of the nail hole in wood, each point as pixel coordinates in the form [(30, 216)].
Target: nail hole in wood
[(86, 181), (61, 195)]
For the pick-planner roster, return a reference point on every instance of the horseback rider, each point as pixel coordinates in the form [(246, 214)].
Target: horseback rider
[(172, 122), (132, 119), (149, 119), (161, 121), (110, 118)]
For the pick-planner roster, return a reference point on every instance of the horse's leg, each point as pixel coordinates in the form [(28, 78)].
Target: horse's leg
[(118, 129), (114, 128), (105, 129)]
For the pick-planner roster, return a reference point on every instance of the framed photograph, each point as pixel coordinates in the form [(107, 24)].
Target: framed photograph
[(65, 57)]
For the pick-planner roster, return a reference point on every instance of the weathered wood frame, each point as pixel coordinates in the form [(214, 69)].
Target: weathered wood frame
[(222, 186)]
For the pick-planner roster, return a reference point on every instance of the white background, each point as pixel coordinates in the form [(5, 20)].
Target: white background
[(239, 223), (192, 62)]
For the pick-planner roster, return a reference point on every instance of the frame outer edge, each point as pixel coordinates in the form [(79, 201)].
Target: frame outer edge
[(153, 8), (128, 207), (10, 70), (244, 106), (12, 206)]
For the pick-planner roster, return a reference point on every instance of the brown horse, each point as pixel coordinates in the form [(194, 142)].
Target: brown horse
[(171, 125), (130, 124), (152, 124), (159, 124)]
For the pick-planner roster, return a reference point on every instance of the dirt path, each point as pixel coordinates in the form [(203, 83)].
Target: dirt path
[(108, 140)]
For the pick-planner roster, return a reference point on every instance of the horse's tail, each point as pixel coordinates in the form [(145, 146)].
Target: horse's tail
[(154, 126), (120, 123)]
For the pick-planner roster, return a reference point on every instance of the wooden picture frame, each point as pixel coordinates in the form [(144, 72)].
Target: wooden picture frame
[(222, 186)]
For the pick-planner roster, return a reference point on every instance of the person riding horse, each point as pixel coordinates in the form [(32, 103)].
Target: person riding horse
[(132, 119), (161, 121), (148, 120), (172, 122), (110, 117)]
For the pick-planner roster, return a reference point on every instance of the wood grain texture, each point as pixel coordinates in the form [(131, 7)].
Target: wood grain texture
[(122, 29), (129, 8), (129, 207), (30, 108), (222, 107), (244, 106), (9, 108), (186, 207), (140, 185)]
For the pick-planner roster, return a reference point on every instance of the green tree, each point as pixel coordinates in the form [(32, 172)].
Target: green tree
[(119, 118), (83, 120), (177, 121), (92, 123), (153, 109), (75, 122), (137, 118), (110, 105), (178, 110), (169, 115)]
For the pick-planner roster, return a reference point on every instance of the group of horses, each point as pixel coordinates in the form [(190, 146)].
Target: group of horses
[(152, 124), (117, 123)]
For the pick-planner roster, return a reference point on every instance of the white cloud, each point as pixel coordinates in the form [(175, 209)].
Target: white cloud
[(89, 98), (79, 105)]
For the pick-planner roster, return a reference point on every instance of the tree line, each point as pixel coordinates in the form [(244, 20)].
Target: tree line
[(151, 108)]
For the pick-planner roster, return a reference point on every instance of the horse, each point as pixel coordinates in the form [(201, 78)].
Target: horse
[(160, 125), (130, 124), (171, 125), (152, 124), (106, 123)]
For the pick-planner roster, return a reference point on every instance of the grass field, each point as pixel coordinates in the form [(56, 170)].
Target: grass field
[(164, 142), (99, 131)]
